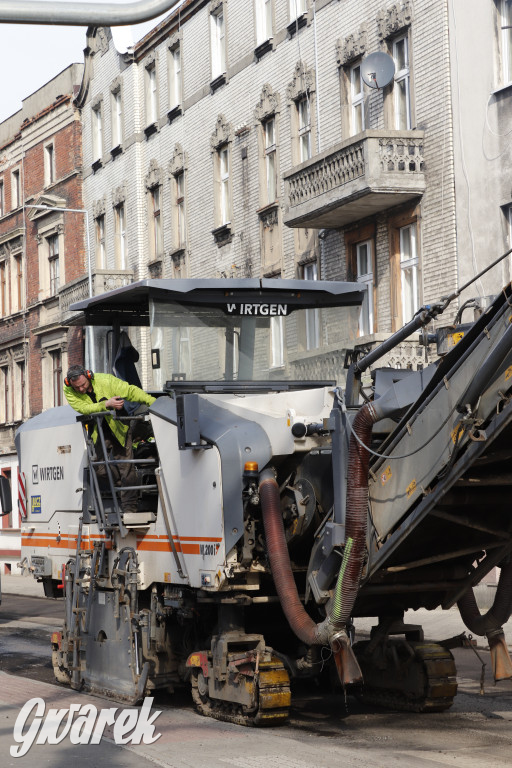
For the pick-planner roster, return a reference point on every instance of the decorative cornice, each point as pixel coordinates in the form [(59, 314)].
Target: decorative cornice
[(178, 161), (119, 195), (222, 134), (303, 82), (215, 5), (98, 207), (154, 176), (269, 103), (115, 86), (352, 47), (393, 19)]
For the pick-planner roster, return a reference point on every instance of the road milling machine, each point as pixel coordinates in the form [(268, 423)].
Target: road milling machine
[(281, 497)]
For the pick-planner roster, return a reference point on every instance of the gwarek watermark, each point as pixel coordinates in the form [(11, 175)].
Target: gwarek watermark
[(83, 724)]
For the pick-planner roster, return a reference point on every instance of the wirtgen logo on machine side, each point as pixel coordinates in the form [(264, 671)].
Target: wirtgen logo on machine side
[(83, 724), (46, 473)]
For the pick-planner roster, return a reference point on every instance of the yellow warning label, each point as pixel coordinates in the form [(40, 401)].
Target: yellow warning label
[(508, 373), (454, 338), (457, 433), (410, 488), (386, 475), (167, 578)]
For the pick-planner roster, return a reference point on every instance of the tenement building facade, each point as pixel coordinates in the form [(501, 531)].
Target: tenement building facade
[(42, 256)]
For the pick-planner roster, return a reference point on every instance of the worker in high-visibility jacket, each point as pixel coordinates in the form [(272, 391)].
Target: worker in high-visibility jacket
[(89, 393)]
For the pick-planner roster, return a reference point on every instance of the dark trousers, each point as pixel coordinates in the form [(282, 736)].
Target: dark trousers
[(122, 474)]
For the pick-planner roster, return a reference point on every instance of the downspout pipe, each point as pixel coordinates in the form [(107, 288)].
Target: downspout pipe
[(78, 14)]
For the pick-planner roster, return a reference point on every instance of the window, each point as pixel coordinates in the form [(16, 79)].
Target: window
[(56, 364), (7, 520), (53, 261), (151, 95), (263, 21), (15, 189), (101, 256), (49, 164), (97, 133), (304, 115), (179, 203), (155, 222), (20, 413), (4, 310), (409, 272), (117, 118), (223, 198), (357, 122), (175, 76), (120, 236), (505, 23), (297, 8), (218, 43), (364, 275), (2, 199), (310, 272), (5, 378), (18, 282), (402, 101), (269, 130)]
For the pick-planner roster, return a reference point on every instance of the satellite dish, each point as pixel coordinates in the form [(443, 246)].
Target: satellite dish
[(377, 69)]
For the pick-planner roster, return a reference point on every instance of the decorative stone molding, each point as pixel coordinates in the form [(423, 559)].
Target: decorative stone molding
[(352, 47), (393, 19), (97, 102), (149, 60), (269, 216), (154, 175), (174, 41), (177, 163), (303, 82), (115, 86), (155, 269), (269, 103), (215, 5), (99, 207), (222, 134), (102, 37), (119, 195)]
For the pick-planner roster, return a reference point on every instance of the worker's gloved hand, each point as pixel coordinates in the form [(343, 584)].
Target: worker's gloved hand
[(115, 403)]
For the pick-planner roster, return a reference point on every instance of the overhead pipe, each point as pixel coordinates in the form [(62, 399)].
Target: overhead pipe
[(78, 14)]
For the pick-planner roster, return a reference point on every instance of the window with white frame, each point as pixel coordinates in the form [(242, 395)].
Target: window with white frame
[(401, 90), (310, 272), (56, 371), (151, 94), (409, 272), (175, 87), (364, 275), (505, 23), (101, 253), (357, 121), (263, 21), (218, 43), (97, 132), (120, 236), (53, 263), (6, 400), (49, 164), (4, 308), (270, 149), (297, 8), (179, 208), (18, 283), (155, 222), (304, 117), (15, 189), (117, 118), (20, 395), (223, 198)]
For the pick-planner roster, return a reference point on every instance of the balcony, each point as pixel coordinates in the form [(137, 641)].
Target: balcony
[(357, 178), (103, 280)]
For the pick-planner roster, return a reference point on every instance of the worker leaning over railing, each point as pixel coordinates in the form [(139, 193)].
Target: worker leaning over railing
[(90, 393)]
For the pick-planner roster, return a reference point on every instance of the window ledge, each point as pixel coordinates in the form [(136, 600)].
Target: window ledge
[(223, 234), (150, 129), (264, 47), (501, 89), (115, 151), (174, 113), (217, 82), (96, 165), (176, 253), (155, 268), (297, 23)]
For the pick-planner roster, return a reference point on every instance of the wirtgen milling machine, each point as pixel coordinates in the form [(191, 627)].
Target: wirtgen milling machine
[(275, 508)]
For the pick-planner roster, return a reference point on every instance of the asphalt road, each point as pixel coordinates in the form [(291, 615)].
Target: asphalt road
[(324, 729)]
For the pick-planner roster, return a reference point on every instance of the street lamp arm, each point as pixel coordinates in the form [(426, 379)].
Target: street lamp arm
[(78, 14)]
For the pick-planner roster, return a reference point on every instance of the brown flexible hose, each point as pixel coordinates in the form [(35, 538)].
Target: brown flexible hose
[(496, 616)]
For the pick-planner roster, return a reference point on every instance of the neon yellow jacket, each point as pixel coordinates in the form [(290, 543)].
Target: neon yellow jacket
[(106, 386)]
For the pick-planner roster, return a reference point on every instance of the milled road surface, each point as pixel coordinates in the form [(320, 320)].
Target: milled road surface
[(323, 730)]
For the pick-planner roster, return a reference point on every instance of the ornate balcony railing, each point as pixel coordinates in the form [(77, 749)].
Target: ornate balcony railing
[(366, 174), (103, 280)]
